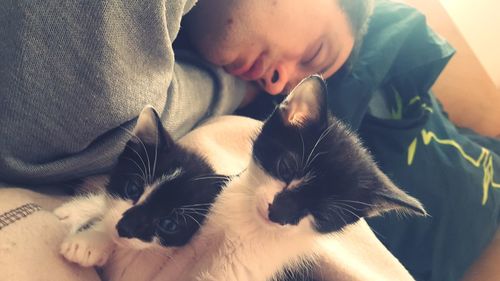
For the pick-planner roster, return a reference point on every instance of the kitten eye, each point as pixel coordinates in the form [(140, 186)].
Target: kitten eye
[(133, 189), (286, 170), (168, 226)]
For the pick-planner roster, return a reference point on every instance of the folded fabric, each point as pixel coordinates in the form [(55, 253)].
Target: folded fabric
[(30, 235)]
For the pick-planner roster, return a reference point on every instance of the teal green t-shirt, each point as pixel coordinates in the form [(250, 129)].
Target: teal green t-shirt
[(385, 95)]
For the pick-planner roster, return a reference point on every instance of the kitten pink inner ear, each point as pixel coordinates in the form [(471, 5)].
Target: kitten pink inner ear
[(303, 104), (146, 128)]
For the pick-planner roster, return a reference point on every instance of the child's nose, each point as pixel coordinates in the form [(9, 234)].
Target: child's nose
[(276, 82)]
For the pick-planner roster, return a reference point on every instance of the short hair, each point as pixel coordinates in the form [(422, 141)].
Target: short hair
[(358, 13)]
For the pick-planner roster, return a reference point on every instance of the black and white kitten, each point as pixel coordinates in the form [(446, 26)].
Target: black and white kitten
[(306, 190), (155, 200)]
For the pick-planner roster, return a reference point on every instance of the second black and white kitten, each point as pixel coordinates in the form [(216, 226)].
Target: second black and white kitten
[(301, 200)]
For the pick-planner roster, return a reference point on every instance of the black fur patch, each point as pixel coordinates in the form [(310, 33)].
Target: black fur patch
[(176, 208), (340, 182)]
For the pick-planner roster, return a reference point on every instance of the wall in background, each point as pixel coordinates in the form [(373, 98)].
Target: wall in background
[(479, 22)]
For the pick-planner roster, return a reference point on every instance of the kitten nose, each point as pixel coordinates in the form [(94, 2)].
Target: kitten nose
[(285, 210), (124, 229), (278, 214), (275, 217)]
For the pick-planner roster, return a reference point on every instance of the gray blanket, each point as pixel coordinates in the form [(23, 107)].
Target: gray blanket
[(75, 74)]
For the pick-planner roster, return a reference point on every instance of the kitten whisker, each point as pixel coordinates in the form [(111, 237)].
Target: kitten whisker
[(211, 174), (335, 210), (210, 177), (138, 166), (143, 170), (215, 180), (348, 211), (197, 213), (189, 208), (303, 150), (195, 210), (357, 202), (184, 217), (348, 206), (323, 135), (140, 158), (314, 158), (137, 175), (194, 205), (308, 177), (177, 214), (320, 138), (145, 150), (156, 155), (199, 224)]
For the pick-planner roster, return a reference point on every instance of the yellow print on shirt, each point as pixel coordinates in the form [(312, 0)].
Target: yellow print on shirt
[(484, 160)]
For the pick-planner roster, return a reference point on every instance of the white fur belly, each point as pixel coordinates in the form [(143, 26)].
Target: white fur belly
[(250, 259)]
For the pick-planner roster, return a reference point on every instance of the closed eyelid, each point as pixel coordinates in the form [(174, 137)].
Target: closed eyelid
[(317, 51)]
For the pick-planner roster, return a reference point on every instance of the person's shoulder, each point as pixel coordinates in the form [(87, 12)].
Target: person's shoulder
[(388, 12), (393, 6)]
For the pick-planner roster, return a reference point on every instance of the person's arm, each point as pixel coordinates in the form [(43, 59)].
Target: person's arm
[(74, 77), (465, 89), (198, 91)]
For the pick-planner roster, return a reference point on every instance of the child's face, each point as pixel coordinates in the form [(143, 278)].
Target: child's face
[(273, 42)]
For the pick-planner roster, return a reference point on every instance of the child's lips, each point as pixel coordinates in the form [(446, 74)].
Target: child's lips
[(255, 71), (247, 71), (235, 68)]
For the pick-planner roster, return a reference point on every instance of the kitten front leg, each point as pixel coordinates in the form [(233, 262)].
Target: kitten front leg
[(90, 247), (81, 210)]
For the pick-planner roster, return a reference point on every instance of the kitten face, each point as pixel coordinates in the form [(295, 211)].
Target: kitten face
[(319, 168), (161, 190)]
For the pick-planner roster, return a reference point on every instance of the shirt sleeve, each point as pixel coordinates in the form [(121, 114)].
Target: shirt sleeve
[(398, 46), (199, 91), (74, 75)]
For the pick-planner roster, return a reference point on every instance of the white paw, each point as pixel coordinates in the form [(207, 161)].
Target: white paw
[(68, 214), (64, 211), (88, 248), (80, 210)]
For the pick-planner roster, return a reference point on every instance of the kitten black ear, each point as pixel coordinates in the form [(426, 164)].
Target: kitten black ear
[(149, 129), (388, 197), (306, 103)]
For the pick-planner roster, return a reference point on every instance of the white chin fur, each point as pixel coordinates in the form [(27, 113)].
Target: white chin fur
[(243, 206)]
